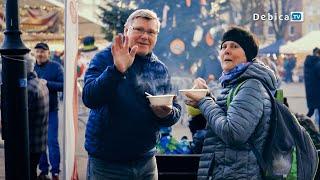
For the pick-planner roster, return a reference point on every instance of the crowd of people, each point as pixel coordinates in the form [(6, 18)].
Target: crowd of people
[(123, 129)]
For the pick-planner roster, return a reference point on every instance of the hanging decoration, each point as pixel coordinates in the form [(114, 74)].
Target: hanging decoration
[(203, 2), (197, 36), (204, 12), (39, 20), (166, 8), (177, 46), (174, 22), (188, 3), (209, 39)]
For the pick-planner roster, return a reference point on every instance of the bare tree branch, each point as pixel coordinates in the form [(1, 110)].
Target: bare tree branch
[(279, 7)]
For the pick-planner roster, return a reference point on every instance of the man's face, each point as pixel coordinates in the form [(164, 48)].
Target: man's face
[(42, 55), (143, 33)]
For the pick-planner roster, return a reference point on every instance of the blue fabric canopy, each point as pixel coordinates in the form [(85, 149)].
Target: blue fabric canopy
[(272, 48)]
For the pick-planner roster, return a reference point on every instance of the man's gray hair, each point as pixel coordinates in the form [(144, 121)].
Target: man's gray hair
[(30, 61), (142, 13)]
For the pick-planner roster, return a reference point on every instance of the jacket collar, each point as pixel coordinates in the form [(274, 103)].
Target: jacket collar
[(149, 57), (43, 64)]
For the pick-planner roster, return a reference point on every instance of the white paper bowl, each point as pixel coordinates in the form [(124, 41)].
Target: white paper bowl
[(161, 100), (198, 92)]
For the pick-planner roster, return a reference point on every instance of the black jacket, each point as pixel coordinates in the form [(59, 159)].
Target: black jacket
[(312, 81)]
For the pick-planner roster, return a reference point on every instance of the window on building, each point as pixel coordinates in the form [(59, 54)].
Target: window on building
[(291, 30)]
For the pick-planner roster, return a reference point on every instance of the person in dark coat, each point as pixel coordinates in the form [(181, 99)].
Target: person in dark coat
[(312, 83), (227, 153), (289, 64), (38, 115), (51, 73)]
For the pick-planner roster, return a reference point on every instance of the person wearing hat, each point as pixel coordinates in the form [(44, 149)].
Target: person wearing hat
[(88, 44), (86, 53), (52, 74), (312, 85), (38, 115), (226, 153)]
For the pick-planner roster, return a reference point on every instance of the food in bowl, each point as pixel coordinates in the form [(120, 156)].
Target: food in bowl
[(160, 100), (199, 92)]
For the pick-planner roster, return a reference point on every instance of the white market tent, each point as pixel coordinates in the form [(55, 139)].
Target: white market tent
[(303, 45), (288, 48)]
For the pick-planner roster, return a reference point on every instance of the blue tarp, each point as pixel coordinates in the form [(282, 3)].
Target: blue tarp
[(272, 48)]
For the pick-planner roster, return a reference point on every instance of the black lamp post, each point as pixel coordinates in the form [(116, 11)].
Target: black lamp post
[(14, 97)]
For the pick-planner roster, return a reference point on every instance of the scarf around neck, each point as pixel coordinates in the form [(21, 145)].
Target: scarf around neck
[(233, 73)]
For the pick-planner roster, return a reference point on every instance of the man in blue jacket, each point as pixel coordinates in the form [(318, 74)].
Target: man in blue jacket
[(52, 74), (122, 127)]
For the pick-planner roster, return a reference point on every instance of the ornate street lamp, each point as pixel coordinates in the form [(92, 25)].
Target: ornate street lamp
[(14, 97)]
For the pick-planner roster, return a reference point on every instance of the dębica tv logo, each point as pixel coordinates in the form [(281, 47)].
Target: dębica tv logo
[(296, 16)]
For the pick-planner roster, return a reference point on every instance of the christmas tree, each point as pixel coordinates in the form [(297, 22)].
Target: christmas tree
[(188, 31), (184, 30), (114, 17)]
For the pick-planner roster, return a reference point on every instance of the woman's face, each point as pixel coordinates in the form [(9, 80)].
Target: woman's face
[(231, 54)]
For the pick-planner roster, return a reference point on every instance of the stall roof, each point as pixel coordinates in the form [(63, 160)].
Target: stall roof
[(273, 48), (303, 45)]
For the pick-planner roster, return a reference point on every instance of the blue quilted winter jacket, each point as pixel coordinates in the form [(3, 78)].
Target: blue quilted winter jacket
[(121, 125)]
